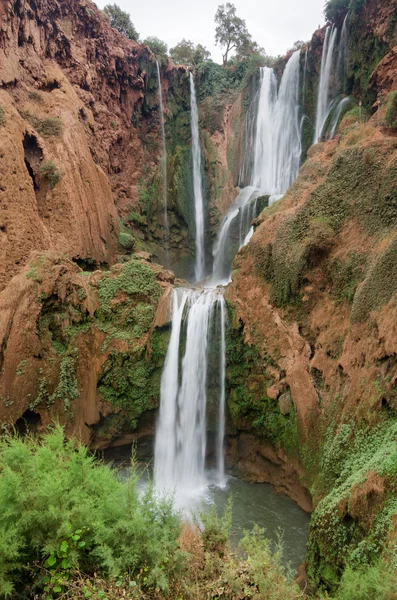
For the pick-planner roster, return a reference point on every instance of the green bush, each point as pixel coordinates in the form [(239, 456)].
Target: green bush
[(390, 119), (120, 20), (375, 582), (50, 127), (2, 117), (61, 507), (50, 171), (126, 240)]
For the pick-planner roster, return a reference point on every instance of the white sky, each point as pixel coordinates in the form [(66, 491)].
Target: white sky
[(274, 24)]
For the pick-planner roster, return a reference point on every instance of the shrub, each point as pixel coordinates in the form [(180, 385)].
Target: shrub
[(2, 117), (52, 126), (58, 503), (51, 172), (372, 582), (35, 96), (390, 119), (126, 240)]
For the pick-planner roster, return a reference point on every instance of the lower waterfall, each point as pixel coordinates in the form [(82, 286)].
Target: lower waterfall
[(181, 437)]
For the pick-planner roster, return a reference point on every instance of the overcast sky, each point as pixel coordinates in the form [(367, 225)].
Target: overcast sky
[(274, 24)]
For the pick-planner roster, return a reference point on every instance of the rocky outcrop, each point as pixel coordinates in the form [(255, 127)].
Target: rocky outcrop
[(85, 349), (315, 292)]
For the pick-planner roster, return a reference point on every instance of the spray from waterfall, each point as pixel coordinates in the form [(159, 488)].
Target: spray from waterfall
[(197, 185), (164, 157)]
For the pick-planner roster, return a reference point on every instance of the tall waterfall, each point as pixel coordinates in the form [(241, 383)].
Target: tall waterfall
[(323, 103), (180, 449), (197, 185), (164, 157), (273, 129)]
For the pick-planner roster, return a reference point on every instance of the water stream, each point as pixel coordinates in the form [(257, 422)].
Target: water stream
[(163, 159), (199, 268), (323, 100)]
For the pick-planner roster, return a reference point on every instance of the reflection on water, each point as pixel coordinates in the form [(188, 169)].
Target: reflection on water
[(258, 503)]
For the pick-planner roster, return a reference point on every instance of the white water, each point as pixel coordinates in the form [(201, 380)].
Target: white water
[(323, 102), (180, 448), (338, 111), (164, 157), (273, 128), (197, 185)]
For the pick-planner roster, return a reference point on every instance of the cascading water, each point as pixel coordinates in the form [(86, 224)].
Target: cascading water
[(164, 157), (199, 268), (273, 128), (323, 103), (180, 449)]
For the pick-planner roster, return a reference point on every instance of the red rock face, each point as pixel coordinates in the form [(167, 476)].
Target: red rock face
[(62, 60)]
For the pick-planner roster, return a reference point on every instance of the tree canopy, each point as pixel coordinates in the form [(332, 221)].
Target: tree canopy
[(336, 10), (157, 46), (186, 53), (231, 32), (120, 20)]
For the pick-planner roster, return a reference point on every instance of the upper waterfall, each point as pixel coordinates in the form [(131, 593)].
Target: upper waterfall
[(164, 157), (199, 267), (273, 130)]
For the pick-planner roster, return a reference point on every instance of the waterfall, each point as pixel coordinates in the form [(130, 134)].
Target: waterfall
[(220, 459), (273, 127), (197, 185), (304, 76), (164, 157), (180, 448), (323, 105), (336, 116)]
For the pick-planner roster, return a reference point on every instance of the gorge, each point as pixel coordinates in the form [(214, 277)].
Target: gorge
[(198, 262)]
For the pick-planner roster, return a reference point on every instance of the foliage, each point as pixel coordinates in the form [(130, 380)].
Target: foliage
[(121, 20), (50, 171), (2, 117), (157, 46), (35, 96), (134, 278), (390, 118), (336, 10), (126, 240), (61, 509), (186, 53), (49, 127), (375, 581), (231, 32)]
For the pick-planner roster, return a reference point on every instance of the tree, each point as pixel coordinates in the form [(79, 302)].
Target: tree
[(157, 46), (249, 48), (120, 20), (231, 31), (336, 10), (186, 53)]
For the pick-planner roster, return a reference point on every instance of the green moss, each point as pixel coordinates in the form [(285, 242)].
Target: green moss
[(132, 380), (21, 367), (126, 240), (249, 406), (343, 530), (390, 119), (346, 276), (379, 285), (134, 279)]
